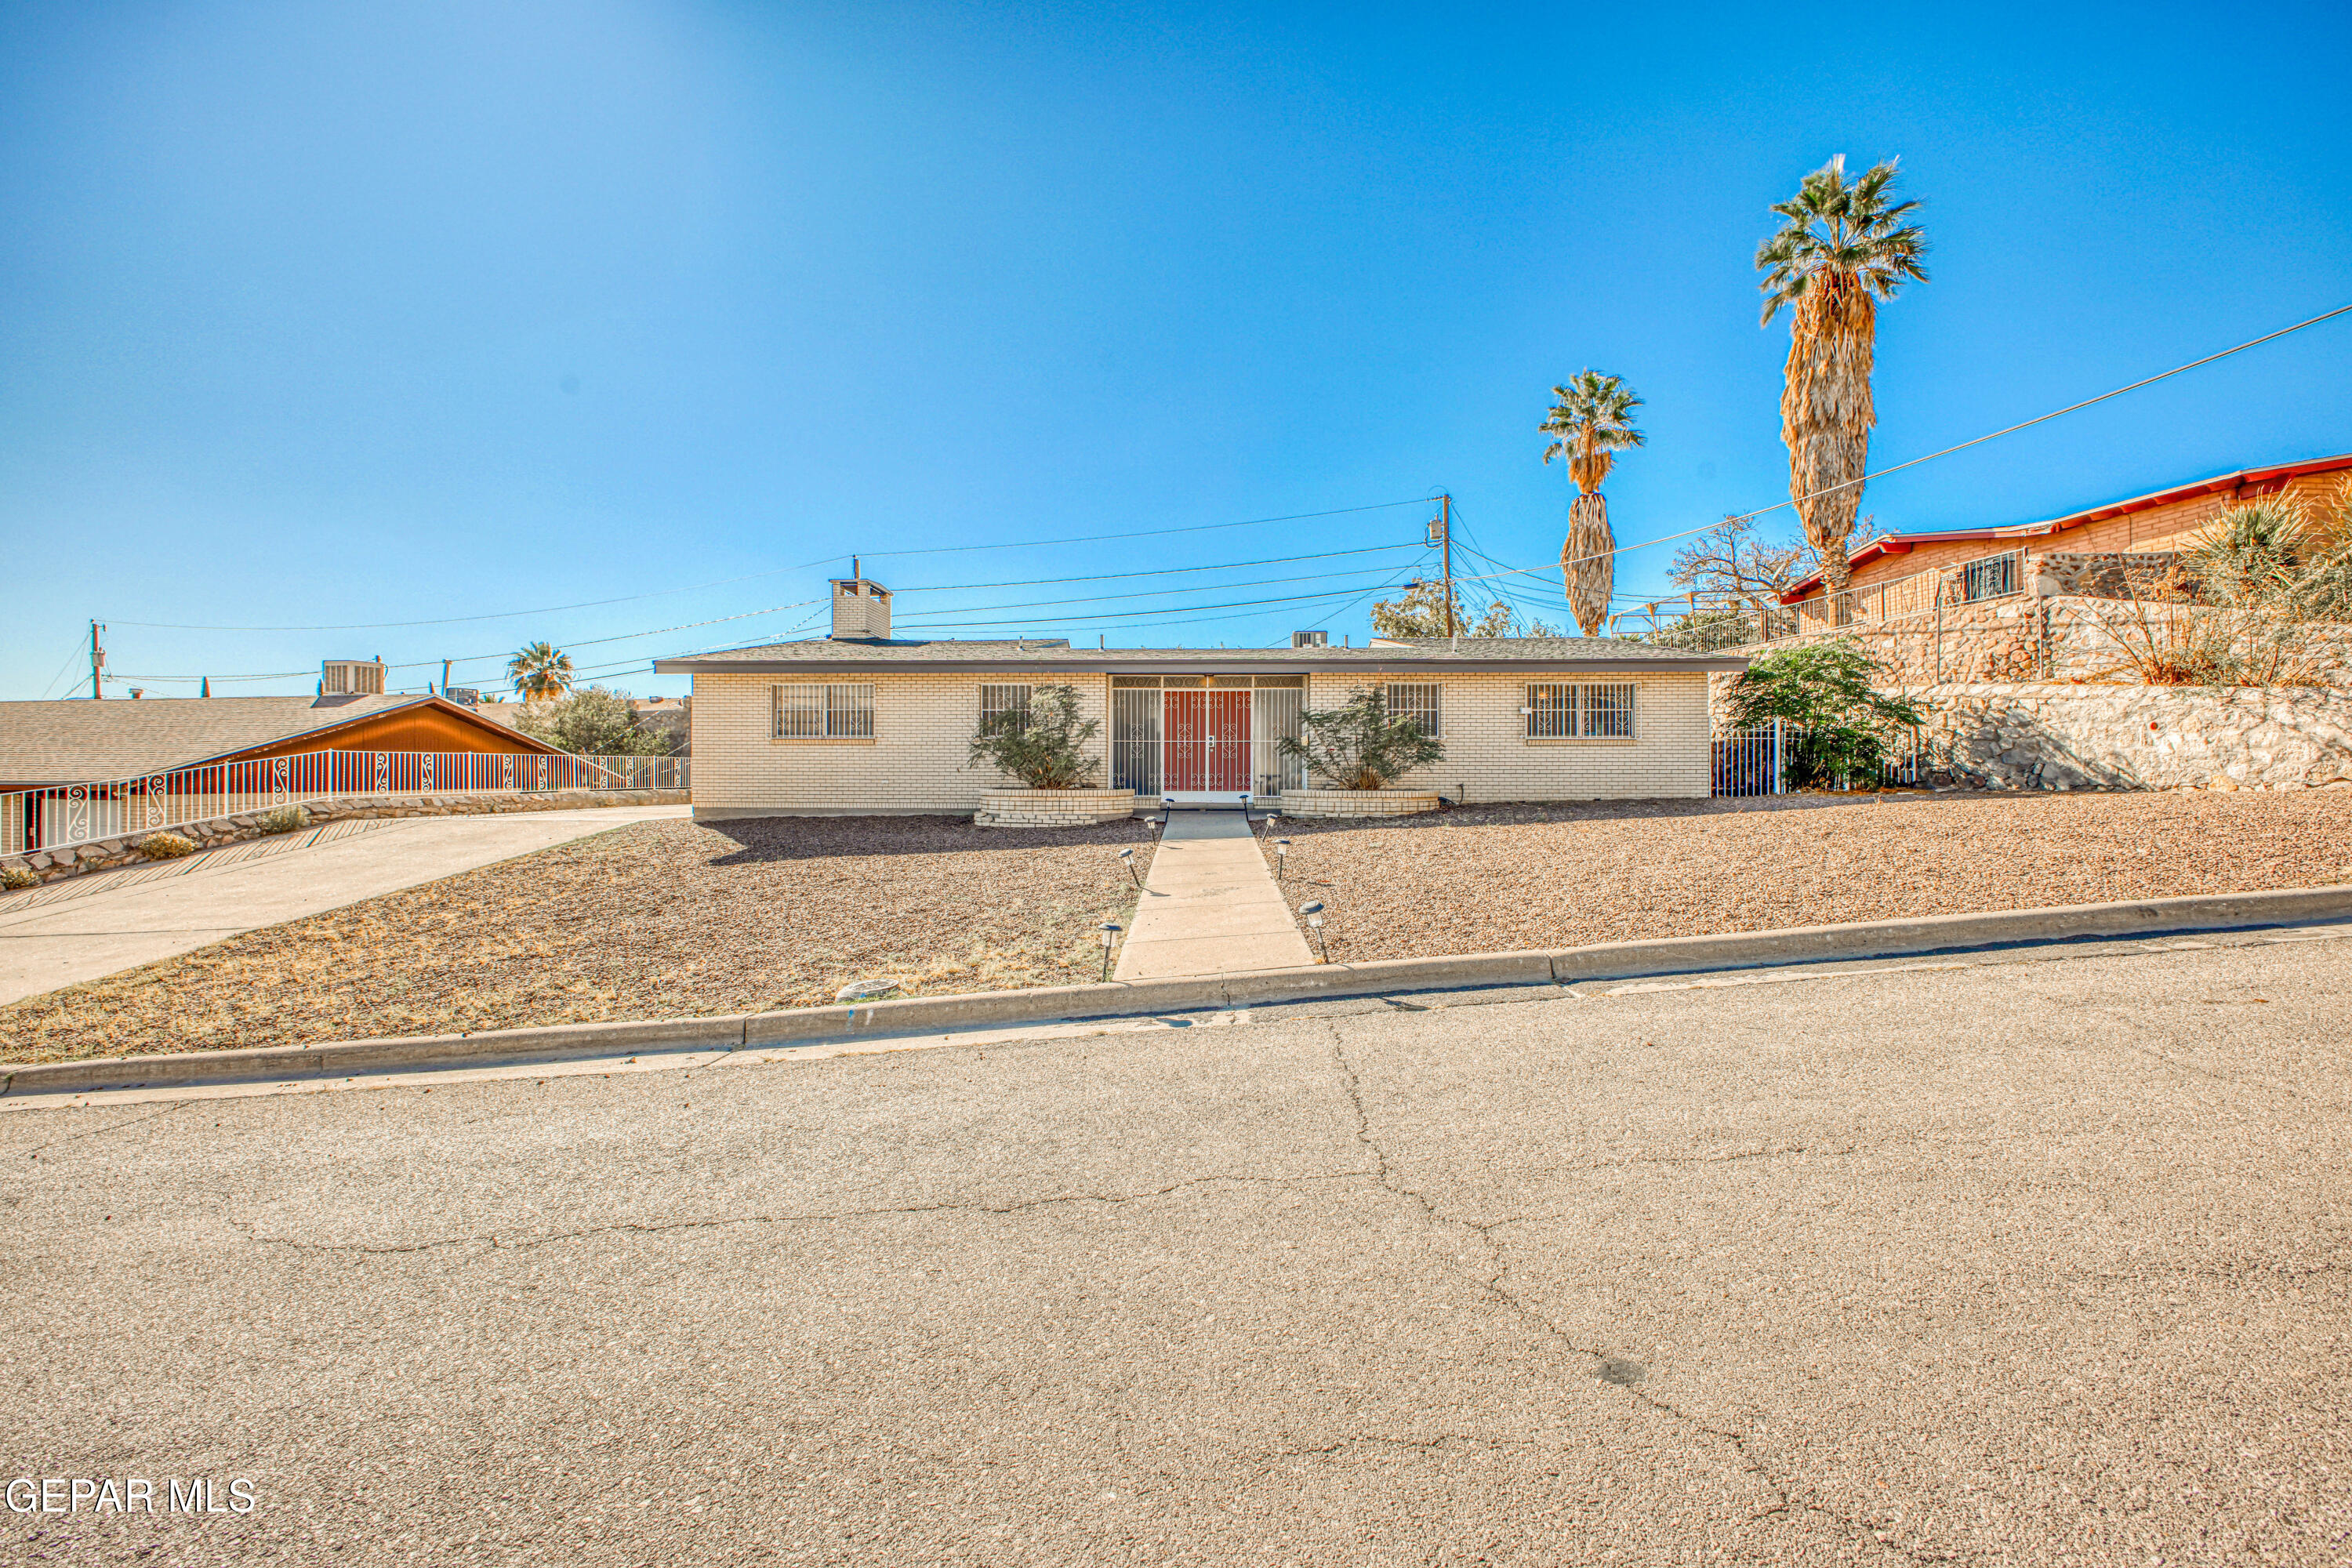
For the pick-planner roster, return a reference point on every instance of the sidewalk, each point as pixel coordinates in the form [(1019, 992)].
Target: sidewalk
[(1211, 905), (84, 928)]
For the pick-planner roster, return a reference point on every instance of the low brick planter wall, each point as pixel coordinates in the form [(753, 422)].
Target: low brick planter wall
[(1053, 807), (123, 850), (1356, 801)]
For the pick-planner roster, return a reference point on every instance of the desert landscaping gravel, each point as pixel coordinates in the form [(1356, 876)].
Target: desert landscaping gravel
[(673, 920), (1496, 878), (655, 919)]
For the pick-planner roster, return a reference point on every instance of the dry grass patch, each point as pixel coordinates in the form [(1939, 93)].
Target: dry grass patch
[(1494, 879), (654, 919)]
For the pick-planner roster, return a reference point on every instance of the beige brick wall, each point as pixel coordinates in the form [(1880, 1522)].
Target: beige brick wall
[(922, 727), (1488, 756), (923, 722)]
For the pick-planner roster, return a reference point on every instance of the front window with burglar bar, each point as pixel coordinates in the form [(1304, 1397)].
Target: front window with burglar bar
[(1551, 712), (995, 701), (1600, 711), (1416, 701), (824, 712)]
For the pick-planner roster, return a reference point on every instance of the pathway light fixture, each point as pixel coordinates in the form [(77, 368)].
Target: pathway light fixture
[(1127, 858), (1110, 935), (1281, 857), (1313, 909)]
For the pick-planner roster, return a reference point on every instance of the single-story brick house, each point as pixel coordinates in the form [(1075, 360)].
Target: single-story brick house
[(48, 748), (862, 722), (2096, 550)]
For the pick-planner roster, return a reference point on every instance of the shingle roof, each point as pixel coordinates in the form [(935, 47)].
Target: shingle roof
[(83, 741), (1455, 653)]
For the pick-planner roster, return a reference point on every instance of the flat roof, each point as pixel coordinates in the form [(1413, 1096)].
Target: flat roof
[(1421, 654)]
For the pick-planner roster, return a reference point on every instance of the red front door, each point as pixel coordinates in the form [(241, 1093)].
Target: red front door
[(1229, 736), (1184, 747)]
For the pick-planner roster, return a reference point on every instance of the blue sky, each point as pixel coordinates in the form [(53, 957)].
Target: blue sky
[(331, 316)]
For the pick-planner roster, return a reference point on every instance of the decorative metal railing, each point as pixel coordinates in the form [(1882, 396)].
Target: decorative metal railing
[(1969, 583), (1775, 758), (67, 814)]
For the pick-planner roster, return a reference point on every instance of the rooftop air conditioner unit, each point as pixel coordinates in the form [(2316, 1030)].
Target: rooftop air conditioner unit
[(350, 678), (1310, 639)]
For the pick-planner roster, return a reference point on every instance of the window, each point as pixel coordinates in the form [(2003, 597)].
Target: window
[(1602, 711), (1417, 702), (1551, 712), (1609, 712), (998, 700), (825, 712)]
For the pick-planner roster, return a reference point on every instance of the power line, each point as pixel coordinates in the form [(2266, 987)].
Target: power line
[(1931, 456), (1154, 593), (778, 572), (1140, 616)]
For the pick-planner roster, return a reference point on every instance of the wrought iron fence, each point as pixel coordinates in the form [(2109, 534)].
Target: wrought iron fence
[(65, 814), (1969, 583), (1773, 759)]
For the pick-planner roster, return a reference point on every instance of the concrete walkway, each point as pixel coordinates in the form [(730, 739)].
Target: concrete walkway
[(1211, 905), (87, 927)]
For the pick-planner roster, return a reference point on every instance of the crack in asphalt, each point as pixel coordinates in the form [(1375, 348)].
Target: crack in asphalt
[(33, 1153), (1492, 1286), (658, 1227)]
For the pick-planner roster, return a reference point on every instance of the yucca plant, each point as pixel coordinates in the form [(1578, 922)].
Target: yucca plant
[(2256, 554), (1842, 247), (1590, 422)]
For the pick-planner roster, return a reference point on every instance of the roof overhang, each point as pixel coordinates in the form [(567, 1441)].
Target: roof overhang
[(1187, 662)]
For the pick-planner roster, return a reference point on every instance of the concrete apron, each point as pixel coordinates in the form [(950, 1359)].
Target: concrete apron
[(1209, 907)]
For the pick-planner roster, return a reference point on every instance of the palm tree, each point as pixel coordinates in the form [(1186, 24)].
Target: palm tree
[(1842, 247), (1592, 422), (540, 670)]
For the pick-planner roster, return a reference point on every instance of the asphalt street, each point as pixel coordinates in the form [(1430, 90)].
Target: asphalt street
[(2033, 1262)]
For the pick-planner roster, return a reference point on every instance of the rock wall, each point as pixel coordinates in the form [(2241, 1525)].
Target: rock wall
[(2043, 735), (106, 853), (2028, 637)]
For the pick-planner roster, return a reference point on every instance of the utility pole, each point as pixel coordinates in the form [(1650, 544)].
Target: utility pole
[(97, 662), (1446, 537)]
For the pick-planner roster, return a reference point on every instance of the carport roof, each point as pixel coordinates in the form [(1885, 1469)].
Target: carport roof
[(1430, 654)]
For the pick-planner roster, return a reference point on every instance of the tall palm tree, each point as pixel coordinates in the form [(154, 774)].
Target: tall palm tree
[(1842, 247), (540, 670), (1592, 422)]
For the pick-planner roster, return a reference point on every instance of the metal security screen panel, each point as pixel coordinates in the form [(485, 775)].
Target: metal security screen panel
[(1184, 751), (1229, 741)]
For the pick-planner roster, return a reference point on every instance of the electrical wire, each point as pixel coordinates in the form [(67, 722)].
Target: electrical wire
[(1931, 456), (778, 572)]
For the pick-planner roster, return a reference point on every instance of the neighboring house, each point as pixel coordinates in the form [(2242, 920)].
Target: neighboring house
[(862, 722), (48, 748), (2099, 552)]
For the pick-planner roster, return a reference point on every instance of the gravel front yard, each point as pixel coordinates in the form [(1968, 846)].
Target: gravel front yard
[(655, 919), (1494, 879)]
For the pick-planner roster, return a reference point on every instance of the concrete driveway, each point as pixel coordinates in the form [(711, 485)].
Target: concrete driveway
[(2028, 1263), (83, 928)]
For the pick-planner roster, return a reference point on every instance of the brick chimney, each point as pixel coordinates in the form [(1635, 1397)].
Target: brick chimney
[(861, 608)]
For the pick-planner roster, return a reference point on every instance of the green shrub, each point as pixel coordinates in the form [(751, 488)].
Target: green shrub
[(1360, 745), (284, 819), (14, 877), (166, 846), (1824, 688), (1042, 744)]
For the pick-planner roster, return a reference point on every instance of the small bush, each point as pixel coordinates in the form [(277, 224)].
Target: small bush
[(14, 877), (284, 819), (166, 846), (1042, 744), (1824, 688), (1360, 744)]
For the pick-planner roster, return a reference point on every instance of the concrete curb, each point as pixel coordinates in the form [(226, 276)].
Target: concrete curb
[(1133, 999)]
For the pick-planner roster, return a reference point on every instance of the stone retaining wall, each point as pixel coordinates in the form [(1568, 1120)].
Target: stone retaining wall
[(2022, 638), (1053, 807), (1356, 801), (123, 850), (2040, 735)]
